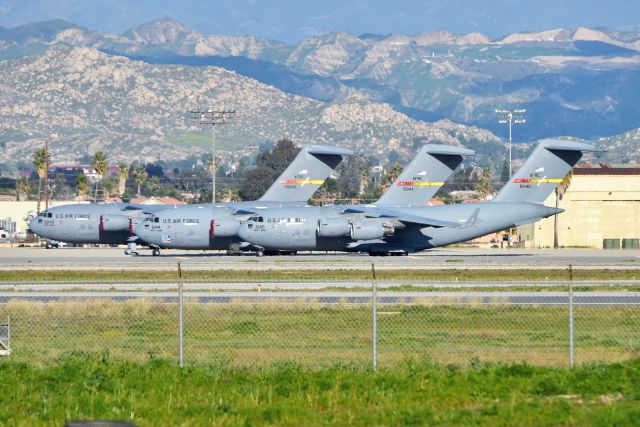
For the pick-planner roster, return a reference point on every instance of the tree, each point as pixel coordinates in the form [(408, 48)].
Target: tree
[(278, 158), (269, 165), (123, 175), (40, 161), (483, 185), (153, 185), (390, 176), (101, 165), (352, 172), (504, 176), (109, 185), (140, 175), (256, 182), (560, 190), (22, 188), (82, 184)]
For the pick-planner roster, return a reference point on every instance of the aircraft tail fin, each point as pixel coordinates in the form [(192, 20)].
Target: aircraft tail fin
[(305, 174), (424, 176), (543, 171)]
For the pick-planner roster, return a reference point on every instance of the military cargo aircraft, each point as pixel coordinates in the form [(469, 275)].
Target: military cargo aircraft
[(217, 228), (112, 223), (381, 230)]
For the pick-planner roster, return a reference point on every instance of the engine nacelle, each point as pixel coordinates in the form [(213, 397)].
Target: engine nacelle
[(114, 222), (368, 230), (333, 227), (224, 227)]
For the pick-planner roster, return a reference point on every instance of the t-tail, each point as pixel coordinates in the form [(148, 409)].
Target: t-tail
[(543, 171), (424, 176), (305, 174)]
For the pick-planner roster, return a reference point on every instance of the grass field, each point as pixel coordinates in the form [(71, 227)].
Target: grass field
[(332, 272), (314, 335), (86, 386)]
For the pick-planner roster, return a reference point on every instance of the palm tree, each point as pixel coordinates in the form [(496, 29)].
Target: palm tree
[(483, 185), (560, 190), (123, 175), (40, 164), (99, 162), (82, 184), (22, 188), (140, 175)]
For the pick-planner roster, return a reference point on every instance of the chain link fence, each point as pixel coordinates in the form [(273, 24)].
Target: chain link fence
[(320, 328)]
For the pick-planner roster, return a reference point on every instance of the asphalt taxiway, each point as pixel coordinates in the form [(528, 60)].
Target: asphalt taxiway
[(441, 258)]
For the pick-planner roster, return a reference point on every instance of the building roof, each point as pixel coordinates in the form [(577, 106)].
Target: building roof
[(606, 169), (156, 201)]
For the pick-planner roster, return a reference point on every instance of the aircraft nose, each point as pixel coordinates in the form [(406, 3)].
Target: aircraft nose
[(243, 230), (33, 225)]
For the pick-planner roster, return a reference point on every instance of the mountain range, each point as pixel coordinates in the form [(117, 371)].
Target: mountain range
[(582, 82)]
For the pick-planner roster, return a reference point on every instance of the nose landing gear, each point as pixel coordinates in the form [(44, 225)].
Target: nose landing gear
[(132, 249), (155, 252)]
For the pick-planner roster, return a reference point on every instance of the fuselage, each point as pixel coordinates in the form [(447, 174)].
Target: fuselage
[(302, 229), (85, 223), (195, 227)]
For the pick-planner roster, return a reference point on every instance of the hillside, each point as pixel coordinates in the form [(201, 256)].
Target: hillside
[(85, 100), (582, 82)]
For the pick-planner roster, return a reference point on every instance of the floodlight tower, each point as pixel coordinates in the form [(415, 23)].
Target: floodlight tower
[(511, 117), (212, 118)]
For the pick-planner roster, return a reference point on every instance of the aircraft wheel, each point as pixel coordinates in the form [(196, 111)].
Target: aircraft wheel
[(48, 245), (259, 252), (155, 252)]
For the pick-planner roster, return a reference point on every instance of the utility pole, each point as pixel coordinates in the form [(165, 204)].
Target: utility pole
[(212, 118), (46, 174), (511, 117)]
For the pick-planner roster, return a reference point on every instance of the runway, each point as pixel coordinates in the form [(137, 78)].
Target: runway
[(297, 285), (441, 258), (340, 298)]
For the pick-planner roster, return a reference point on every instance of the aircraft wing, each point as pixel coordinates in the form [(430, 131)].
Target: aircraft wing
[(402, 217)]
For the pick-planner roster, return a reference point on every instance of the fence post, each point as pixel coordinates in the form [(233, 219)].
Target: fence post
[(374, 303), (571, 342), (180, 320)]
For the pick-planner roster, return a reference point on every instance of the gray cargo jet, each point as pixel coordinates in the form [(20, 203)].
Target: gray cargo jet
[(218, 228), (380, 230), (112, 223)]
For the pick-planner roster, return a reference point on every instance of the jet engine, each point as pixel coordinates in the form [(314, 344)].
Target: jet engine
[(361, 230), (114, 222), (224, 227), (333, 227)]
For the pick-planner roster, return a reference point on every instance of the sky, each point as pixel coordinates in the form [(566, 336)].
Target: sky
[(293, 20)]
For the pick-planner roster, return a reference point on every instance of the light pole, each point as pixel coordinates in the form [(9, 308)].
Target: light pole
[(212, 118), (511, 117)]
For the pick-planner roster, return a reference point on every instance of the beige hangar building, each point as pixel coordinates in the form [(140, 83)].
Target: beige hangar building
[(602, 210)]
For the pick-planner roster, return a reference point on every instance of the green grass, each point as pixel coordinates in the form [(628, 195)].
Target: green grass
[(86, 386), (330, 273), (250, 335)]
